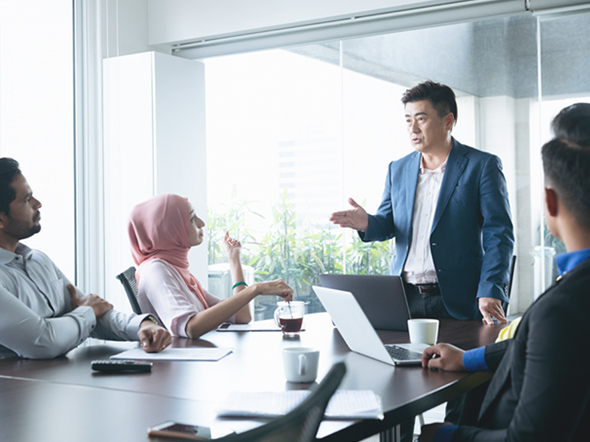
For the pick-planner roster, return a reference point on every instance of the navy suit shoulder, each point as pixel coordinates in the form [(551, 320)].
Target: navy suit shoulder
[(464, 149)]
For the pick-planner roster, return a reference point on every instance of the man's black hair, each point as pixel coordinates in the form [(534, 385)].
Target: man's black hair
[(8, 170), (573, 123), (440, 96), (566, 164)]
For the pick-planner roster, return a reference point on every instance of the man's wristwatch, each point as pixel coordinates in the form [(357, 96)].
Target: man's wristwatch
[(152, 318)]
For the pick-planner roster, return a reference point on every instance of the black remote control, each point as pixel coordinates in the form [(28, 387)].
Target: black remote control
[(121, 366)]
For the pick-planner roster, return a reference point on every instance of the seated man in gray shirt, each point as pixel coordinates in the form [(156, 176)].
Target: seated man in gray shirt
[(42, 315)]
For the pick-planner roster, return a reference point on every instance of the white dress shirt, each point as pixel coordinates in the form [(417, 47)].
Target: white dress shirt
[(419, 267), (36, 316)]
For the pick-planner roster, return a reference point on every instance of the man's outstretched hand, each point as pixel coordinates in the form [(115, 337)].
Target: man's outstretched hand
[(355, 218)]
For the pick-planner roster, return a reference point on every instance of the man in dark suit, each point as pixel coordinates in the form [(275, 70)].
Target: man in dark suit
[(540, 389), (446, 205)]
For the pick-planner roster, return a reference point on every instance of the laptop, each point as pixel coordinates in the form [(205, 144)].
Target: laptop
[(360, 336), (382, 298)]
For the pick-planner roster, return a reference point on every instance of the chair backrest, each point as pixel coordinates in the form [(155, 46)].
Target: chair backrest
[(129, 282), (512, 267), (510, 281), (302, 423)]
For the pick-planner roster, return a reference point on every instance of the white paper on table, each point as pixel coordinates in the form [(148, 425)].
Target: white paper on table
[(345, 404), (176, 354), (252, 326)]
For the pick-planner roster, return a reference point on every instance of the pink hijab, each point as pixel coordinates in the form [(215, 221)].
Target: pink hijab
[(158, 228)]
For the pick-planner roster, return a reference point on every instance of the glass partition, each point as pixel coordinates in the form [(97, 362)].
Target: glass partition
[(563, 68)]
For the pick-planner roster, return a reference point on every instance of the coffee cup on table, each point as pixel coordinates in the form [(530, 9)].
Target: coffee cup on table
[(289, 317), (301, 364), (423, 331)]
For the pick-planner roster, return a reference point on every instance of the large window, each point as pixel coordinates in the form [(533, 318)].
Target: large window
[(36, 114), (282, 157)]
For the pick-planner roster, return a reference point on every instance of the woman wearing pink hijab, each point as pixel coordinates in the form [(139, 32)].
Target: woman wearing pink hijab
[(162, 230)]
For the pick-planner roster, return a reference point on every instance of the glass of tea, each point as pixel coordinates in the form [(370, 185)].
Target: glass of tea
[(289, 317)]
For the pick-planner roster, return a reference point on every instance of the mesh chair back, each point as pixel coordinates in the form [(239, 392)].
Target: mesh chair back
[(302, 423), (129, 282)]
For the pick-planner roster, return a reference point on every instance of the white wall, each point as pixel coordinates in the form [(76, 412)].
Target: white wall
[(180, 155), (125, 28)]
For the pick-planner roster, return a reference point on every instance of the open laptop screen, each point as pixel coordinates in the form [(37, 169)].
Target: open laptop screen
[(381, 297)]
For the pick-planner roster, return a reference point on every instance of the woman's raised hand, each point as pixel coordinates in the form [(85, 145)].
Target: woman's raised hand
[(278, 287), (232, 246)]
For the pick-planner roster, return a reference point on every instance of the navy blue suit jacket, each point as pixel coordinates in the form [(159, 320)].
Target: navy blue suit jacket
[(471, 239)]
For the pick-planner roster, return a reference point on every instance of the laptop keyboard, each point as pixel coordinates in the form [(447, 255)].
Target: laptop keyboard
[(402, 354)]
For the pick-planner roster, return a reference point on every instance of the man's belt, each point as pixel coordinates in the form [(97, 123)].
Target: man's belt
[(426, 289)]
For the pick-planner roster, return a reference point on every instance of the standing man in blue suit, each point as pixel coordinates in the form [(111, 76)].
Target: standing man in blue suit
[(446, 205)]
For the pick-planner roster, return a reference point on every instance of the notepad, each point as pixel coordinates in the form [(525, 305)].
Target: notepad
[(176, 354), (345, 404)]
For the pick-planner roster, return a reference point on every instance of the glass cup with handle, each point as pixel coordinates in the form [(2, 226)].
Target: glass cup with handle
[(289, 317)]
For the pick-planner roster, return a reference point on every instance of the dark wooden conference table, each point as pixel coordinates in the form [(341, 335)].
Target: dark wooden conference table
[(62, 399)]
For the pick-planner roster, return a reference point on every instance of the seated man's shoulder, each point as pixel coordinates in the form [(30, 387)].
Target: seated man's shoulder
[(563, 309), (42, 257), (27, 252)]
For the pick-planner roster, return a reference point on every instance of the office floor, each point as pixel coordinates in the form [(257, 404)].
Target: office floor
[(437, 414)]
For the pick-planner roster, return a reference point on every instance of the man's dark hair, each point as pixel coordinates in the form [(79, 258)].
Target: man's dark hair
[(573, 123), (440, 96), (566, 164), (8, 170)]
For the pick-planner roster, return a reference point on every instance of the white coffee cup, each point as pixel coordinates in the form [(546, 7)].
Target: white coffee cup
[(423, 331), (301, 364)]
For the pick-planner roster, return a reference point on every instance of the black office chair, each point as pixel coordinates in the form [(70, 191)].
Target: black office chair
[(302, 423), (510, 281), (129, 282)]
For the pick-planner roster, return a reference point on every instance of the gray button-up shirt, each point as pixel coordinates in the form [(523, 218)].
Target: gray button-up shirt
[(36, 316)]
